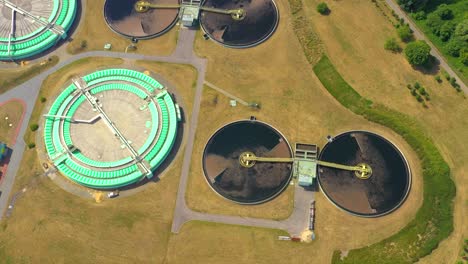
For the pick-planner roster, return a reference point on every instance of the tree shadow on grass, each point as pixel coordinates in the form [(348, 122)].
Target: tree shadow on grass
[(432, 67)]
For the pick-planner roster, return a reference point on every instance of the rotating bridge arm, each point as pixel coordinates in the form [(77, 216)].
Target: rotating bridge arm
[(144, 6), (362, 170)]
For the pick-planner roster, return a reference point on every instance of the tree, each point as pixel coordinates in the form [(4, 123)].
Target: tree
[(434, 22), (418, 53), (405, 33), (454, 46), (421, 15), (412, 5), (446, 31), (461, 30), (464, 57), (392, 45), (322, 8), (444, 12)]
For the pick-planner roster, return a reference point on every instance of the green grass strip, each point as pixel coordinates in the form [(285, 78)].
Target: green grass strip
[(434, 220)]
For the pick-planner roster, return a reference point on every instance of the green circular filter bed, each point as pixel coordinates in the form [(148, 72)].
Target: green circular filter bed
[(28, 28), (111, 128)]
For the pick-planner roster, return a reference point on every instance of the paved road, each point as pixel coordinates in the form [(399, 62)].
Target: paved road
[(420, 35), (297, 222)]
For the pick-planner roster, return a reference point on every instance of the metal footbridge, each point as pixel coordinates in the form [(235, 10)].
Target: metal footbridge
[(190, 10), (362, 171), (82, 88)]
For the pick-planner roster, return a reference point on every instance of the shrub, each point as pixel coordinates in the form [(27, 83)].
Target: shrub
[(447, 76), (34, 127), (414, 92), (418, 53), (417, 85), (31, 145), (438, 79), (422, 91), (409, 86), (322, 8), (392, 45), (43, 99), (405, 33), (419, 98), (453, 82), (83, 44)]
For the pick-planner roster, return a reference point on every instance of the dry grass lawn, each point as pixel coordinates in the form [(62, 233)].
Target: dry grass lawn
[(94, 30), (356, 49), (184, 87), (13, 110)]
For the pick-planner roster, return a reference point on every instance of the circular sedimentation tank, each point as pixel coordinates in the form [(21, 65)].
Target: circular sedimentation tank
[(22, 36), (260, 22), (383, 192), (123, 18), (239, 184), (114, 132)]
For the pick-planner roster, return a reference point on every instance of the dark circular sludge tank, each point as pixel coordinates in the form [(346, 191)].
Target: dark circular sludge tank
[(260, 22), (123, 19), (227, 177), (383, 192)]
